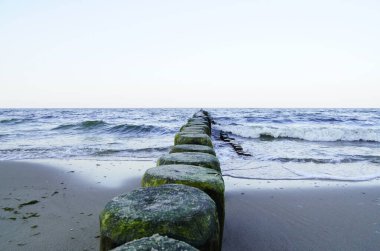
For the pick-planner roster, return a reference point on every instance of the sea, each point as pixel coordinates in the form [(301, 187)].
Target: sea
[(284, 144)]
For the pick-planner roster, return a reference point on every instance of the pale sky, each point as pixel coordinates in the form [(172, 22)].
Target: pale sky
[(258, 53)]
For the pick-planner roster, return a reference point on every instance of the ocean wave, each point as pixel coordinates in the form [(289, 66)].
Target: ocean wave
[(64, 127), (308, 133), (325, 119), (49, 117), (138, 129), (14, 121), (100, 125), (347, 159), (85, 125)]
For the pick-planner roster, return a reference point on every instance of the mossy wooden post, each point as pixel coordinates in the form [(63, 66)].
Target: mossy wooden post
[(182, 198), (155, 242), (180, 212), (196, 129), (192, 148), (190, 158), (190, 138), (207, 180), (203, 115), (198, 119)]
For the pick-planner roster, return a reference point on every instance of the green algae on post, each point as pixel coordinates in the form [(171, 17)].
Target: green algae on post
[(198, 123), (189, 138), (177, 211), (200, 177), (196, 129), (190, 158), (192, 148), (198, 120), (155, 242), (207, 180)]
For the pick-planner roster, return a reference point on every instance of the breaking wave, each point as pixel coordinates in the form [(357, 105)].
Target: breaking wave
[(346, 159), (307, 133), (14, 121), (91, 125), (136, 129), (85, 125)]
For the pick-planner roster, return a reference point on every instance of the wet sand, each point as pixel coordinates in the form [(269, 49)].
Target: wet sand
[(306, 218), (63, 207)]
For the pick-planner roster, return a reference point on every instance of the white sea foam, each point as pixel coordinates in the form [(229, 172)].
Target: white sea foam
[(309, 133)]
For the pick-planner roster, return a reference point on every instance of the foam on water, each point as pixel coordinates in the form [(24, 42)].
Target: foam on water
[(88, 133), (301, 144), (306, 132), (285, 144)]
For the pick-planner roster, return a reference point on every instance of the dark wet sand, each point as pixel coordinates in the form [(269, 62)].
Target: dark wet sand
[(67, 211), (341, 218), (303, 219)]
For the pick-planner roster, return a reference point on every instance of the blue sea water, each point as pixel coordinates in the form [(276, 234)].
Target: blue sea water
[(332, 144)]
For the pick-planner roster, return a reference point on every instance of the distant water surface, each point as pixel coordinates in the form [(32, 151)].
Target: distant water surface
[(331, 144)]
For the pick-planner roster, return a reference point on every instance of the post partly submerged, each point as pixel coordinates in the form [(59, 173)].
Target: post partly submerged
[(181, 199)]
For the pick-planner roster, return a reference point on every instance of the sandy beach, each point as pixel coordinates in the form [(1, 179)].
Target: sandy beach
[(64, 206), (61, 209), (305, 218)]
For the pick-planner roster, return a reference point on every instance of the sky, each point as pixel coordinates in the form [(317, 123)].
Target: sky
[(258, 53)]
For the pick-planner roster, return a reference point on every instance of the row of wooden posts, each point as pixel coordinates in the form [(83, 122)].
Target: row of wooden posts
[(181, 203)]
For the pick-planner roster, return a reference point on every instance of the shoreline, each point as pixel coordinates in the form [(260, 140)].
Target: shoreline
[(279, 215), (233, 184)]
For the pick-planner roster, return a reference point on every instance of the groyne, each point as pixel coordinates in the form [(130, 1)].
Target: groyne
[(235, 145), (180, 205)]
